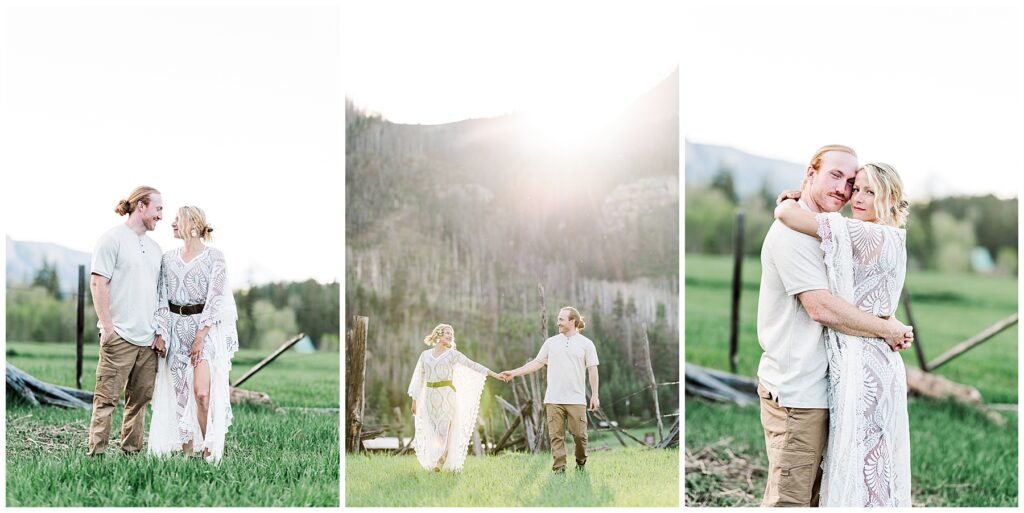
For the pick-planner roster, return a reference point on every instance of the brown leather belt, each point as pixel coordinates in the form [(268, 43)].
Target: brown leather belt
[(186, 309)]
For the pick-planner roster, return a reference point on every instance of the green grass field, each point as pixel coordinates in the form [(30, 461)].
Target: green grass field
[(622, 478), (280, 456), (958, 457)]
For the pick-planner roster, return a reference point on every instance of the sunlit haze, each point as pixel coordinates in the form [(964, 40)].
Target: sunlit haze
[(567, 65)]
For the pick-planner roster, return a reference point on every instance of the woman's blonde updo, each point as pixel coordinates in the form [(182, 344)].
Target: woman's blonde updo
[(574, 315), (891, 207), (435, 336), (127, 206), (192, 224)]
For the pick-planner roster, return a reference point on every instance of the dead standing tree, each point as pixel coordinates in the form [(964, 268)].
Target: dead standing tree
[(654, 385), (355, 378), (528, 410), (539, 418)]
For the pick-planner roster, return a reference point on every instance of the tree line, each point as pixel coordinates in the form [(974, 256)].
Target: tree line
[(267, 314), (942, 234)]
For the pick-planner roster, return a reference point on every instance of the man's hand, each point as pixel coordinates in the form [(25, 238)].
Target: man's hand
[(792, 194), (595, 403), (506, 376), (106, 333), (900, 335), (159, 347)]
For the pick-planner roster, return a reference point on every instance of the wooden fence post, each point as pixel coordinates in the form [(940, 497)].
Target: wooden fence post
[(266, 361), (737, 285), (918, 348), (355, 377), (972, 342), (654, 385), (535, 380), (79, 342)]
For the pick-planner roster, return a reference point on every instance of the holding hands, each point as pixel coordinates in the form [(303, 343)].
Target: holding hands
[(901, 336), (505, 376), (159, 346)]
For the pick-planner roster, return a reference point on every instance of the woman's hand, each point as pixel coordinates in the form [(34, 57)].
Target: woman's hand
[(414, 407), (197, 350), (791, 194), (782, 206)]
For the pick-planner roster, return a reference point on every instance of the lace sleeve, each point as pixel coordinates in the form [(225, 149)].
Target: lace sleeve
[(162, 317), (418, 380), (461, 359), (216, 302), (835, 243), (828, 241)]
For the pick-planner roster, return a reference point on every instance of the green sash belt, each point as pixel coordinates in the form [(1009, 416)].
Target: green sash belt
[(439, 384)]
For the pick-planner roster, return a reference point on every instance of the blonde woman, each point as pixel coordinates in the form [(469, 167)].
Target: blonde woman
[(867, 460), (197, 316), (445, 390)]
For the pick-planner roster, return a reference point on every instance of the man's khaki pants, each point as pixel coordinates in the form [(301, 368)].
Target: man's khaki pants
[(559, 417), (123, 366), (795, 438)]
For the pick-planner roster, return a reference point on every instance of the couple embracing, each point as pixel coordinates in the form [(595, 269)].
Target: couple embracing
[(832, 385), (446, 388), (167, 333)]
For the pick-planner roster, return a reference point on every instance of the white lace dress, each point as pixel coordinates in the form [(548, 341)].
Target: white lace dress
[(202, 280), (445, 415), (867, 460)]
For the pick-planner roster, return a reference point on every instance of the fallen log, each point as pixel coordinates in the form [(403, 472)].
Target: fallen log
[(37, 393), (371, 432), (723, 387), (239, 396), (22, 385), (720, 386), (933, 386)]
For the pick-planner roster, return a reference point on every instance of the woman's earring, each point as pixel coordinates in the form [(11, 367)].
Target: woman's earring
[(194, 233)]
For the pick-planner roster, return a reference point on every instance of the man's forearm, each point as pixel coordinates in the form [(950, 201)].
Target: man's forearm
[(532, 366), (843, 317), (594, 381), (101, 302)]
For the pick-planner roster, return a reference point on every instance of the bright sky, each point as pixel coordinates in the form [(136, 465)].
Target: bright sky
[(569, 63), (931, 88), (236, 108)]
